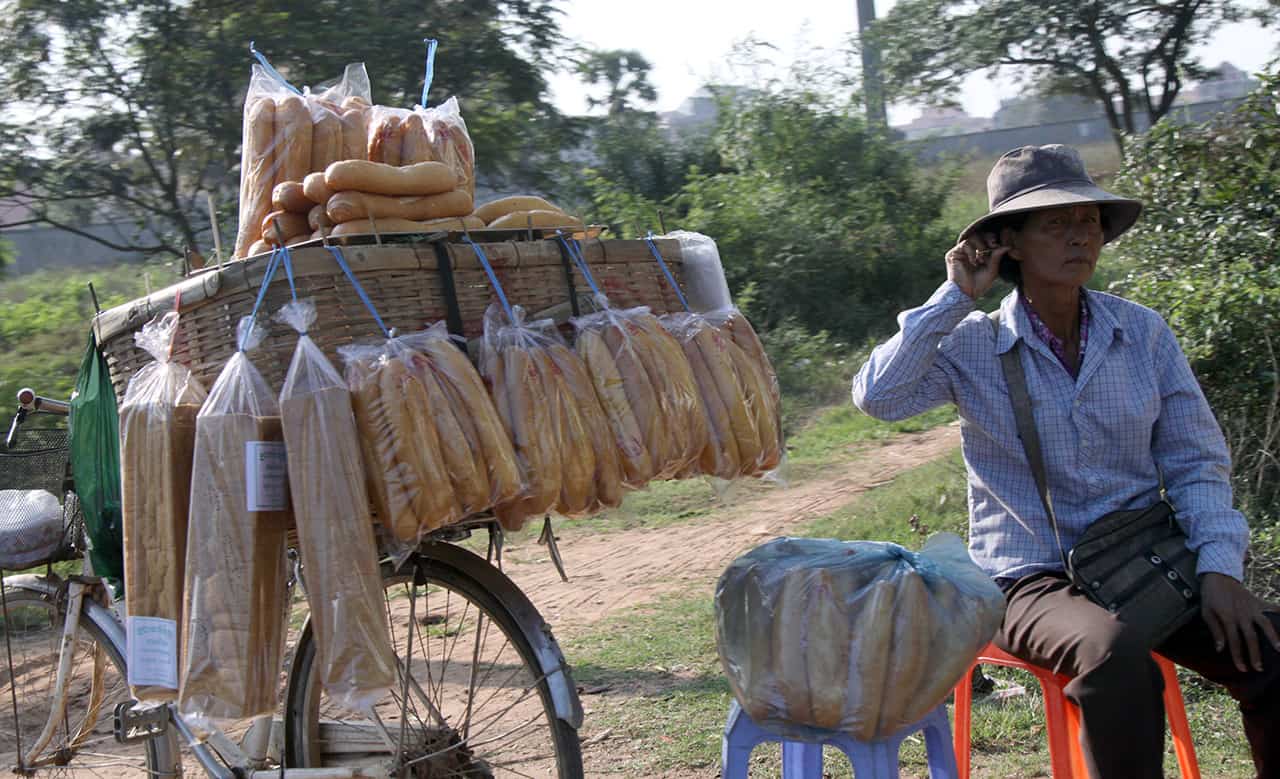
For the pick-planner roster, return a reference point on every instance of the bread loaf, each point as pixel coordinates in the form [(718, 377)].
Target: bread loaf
[(606, 480), (314, 188), (723, 369), (469, 484), (689, 416), (433, 498), (259, 247), (292, 139), (350, 205), (637, 465), (371, 425), (318, 219), (518, 220), (424, 178), (354, 133), (387, 226), (326, 138), (641, 396), (532, 421), (671, 441), (289, 196), (577, 459), (386, 136), (257, 173), (451, 144), (720, 457), (280, 227), (236, 574), (415, 146), (507, 205)]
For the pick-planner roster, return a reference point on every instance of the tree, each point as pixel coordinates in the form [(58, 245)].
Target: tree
[(131, 109), (624, 73), (1130, 55)]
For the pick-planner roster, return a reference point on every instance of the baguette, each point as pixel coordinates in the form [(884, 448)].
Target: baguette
[(354, 133), (371, 425), (827, 634), (724, 373), (318, 218), (470, 487), (315, 190), (451, 145), (671, 459), (326, 140), (468, 391), (280, 227), (350, 205), (637, 465), (292, 139), (383, 226), (689, 414), (578, 462), (417, 444), (385, 139), (910, 649), (519, 220), (756, 394), (534, 427), (607, 477), (641, 395), (424, 178), (720, 457), (415, 146), (506, 205), (289, 196), (868, 676), (259, 247), (257, 174), (789, 640)]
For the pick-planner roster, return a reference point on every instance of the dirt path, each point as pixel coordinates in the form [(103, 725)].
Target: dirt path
[(609, 572)]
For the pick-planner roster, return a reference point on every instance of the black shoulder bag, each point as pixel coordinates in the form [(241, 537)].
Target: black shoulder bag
[(1135, 564)]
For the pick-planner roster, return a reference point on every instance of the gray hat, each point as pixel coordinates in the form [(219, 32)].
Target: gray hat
[(1030, 178)]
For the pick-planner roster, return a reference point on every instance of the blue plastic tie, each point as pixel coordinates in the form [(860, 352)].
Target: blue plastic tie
[(273, 265), (287, 258), (576, 253), (272, 71), (342, 263), (661, 263), (493, 278), (431, 68)]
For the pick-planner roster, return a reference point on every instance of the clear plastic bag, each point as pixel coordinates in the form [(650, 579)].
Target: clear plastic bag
[(280, 126), (157, 440), (704, 284), (450, 141), (819, 636), (335, 531), (648, 390), (739, 391), (237, 565)]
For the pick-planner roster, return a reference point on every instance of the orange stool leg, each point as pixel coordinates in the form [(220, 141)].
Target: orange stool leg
[(1176, 710), (963, 724), (1057, 723)]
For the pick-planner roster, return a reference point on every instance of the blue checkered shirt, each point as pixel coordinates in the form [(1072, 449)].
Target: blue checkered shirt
[(1134, 412)]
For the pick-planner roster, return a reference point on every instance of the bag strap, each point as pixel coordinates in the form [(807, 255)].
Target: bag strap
[(1023, 414)]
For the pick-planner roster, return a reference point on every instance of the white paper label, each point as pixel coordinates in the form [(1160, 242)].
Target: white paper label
[(266, 476), (152, 651)]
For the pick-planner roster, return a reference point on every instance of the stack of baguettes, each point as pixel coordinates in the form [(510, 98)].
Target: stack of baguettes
[(550, 410), (367, 196), (434, 447), (649, 392), (739, 391)]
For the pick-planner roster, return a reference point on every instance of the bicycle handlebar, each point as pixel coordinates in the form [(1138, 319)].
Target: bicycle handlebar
[(30, 402)]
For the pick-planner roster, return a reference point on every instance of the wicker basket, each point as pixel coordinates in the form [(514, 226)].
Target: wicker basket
[(403, 278)]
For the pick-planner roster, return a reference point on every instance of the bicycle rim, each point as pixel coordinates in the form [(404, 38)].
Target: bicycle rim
[(477, 704), (82, 744)]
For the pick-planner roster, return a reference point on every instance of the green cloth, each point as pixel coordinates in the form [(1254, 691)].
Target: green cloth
[(95, 464)]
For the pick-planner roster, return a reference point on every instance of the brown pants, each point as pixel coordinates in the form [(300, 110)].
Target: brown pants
[(1118, 687)]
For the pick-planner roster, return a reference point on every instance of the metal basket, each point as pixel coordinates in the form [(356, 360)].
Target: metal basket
[(38, 460)]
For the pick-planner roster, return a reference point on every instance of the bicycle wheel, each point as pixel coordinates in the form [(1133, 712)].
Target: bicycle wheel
[(480, 701), (81, 741)]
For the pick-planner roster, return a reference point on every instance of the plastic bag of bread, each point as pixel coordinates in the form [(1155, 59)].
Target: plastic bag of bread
[(739, 390), (157, 439), (450, 142), (237, 567), (279, 129), (335, 531), (522, 380), (819, 636), (648, 390)]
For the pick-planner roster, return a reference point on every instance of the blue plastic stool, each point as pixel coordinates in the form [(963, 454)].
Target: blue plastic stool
[(870, 760)]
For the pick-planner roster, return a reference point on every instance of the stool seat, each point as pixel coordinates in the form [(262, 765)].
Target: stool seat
[(1062, 718), (803, 759)]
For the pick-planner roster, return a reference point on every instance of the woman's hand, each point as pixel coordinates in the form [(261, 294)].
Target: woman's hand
[(974, 262), (1236, 617)]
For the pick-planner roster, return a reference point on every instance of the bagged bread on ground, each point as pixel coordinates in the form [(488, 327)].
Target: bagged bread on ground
[(819, 636), (281, 125), (630, 350), (335, 531), (157, 439), (237, 565), (739, 391)]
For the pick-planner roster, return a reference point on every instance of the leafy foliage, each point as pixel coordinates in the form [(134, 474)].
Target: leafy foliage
[(1130, 55), (1207, 256)]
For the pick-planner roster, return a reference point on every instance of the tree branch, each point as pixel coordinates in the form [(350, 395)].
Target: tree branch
[(162, 246)]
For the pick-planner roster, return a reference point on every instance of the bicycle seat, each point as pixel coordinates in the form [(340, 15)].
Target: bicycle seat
[(31, 528)]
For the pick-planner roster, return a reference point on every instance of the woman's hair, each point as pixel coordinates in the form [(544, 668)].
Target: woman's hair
[(1010, 269)]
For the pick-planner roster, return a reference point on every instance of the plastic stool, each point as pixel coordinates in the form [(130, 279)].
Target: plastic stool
[(1062, 718), (803, 759)]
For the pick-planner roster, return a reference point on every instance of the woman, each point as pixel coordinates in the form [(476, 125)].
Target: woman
[(1116, 409)]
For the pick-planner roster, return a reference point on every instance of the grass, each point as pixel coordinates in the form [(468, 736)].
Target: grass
[(654, 690)]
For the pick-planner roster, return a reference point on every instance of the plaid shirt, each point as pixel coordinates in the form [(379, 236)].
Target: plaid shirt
[(1135, 411)]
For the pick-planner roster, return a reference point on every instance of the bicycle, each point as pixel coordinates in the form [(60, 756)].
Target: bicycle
[(483, 688)]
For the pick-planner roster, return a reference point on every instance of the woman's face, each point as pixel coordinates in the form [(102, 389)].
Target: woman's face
[(1058, 246)]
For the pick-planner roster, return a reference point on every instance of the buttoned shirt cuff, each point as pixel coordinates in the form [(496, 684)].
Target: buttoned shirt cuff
[(1219, 557)]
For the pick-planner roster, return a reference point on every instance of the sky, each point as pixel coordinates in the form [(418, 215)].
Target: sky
[(688, 43)]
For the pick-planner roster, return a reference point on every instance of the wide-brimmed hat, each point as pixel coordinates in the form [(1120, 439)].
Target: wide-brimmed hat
[(1030, 178)]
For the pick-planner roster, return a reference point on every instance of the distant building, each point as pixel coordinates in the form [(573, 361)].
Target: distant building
[(938, 121), (1033, 110), (1225, 82)]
